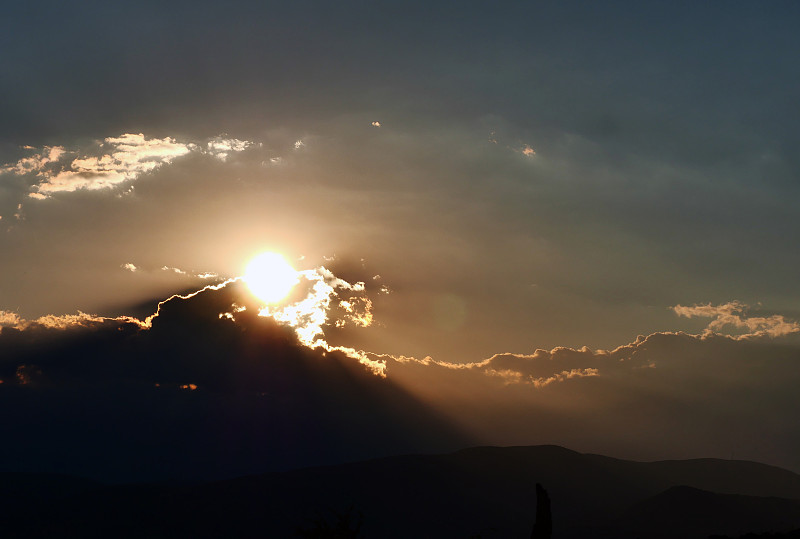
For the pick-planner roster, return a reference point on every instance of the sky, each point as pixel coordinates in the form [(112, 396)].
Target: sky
[(568, 223)]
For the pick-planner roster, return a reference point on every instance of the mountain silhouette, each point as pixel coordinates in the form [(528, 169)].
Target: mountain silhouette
[(479, 492)]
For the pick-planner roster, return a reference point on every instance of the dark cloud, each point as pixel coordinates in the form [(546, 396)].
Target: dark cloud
[(196, 395), (208, 387)]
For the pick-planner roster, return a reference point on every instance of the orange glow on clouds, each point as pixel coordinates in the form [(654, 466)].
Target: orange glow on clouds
[(309, 315)]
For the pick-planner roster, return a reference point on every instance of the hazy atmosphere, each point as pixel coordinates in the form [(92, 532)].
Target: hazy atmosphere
[(528, 223)]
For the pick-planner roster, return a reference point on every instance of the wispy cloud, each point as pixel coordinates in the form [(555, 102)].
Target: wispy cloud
[(734, 315), (544, 367), (36, 162), (126, 158), (540, 369), (187, 273), (173, 270), (112, 162), (221, 147), (12, 320), (133, 268)]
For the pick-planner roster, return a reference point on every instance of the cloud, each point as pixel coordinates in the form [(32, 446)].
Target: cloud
[(126, 158), (733, 315), (201, 275), (68, 321), (60, 322), (148, 321), (660, 393), (359, 312), (664, 355), (324, 294), (515, 377), (329, 301), (195, 394), (37, 162), (320, 301), (9, 319), (174, 270), (221, 148), (117, 160), (541, 368)]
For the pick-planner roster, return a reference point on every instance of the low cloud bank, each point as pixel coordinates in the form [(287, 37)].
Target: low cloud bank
[(190, 392), (664, 395)]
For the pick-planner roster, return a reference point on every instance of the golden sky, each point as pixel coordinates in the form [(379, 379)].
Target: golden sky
[(551, 224)]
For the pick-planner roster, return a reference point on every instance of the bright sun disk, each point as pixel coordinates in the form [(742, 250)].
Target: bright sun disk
[(270, 277)]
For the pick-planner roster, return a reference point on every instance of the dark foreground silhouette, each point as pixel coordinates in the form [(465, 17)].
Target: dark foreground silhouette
[(484, 492), (543, 527), (788, 535), (345, 525)]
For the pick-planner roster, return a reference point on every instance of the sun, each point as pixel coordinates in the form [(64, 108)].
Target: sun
[(270, 277)]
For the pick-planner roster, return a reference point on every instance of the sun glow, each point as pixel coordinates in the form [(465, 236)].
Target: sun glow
[(322, 296), (270, 278)]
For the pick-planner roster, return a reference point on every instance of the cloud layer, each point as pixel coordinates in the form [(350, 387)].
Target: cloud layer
[(668, 394)]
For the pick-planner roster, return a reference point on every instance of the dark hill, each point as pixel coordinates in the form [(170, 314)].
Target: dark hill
[(486, 492), (677, 510)]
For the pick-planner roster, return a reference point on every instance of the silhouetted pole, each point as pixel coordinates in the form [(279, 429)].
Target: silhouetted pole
[(543, 527)]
